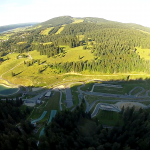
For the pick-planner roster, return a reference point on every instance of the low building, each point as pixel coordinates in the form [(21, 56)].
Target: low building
[(38, 101), (48, 94)]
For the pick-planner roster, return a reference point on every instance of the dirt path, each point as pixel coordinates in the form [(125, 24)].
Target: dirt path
[(29, 56)]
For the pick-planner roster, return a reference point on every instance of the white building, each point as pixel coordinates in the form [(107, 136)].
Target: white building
[(48, 94)]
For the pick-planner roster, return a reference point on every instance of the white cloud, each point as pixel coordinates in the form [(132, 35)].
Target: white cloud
[(42, 10)]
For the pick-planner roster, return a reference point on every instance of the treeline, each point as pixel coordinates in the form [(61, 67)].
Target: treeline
[(54, 30), (76, 130), (107, 66), (57, 21)]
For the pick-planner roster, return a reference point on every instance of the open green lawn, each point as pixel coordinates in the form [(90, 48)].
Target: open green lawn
[(59, 31), (135, 91), (109, 118), (111, 90), (127, 87), (78, 20), (46, 31), (12, 62), (47, 43), (144, 53), (71, 54), (75, 93), (92, 98), (146, 103), (88, 86)]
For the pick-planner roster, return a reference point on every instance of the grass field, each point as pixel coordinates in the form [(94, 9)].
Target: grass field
[(146, 103), (109, 118), (136, 90), (144, 53), (127, 87), (46, 31), (75, 93), (111, 90), (72, 54), (77, 20), (92, 98), (21, 43), (29, 75), (12, 62), (47, 43), (59, 31), (5, 36), (88, 86)]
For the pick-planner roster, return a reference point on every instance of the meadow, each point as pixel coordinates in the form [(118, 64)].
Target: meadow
[(71, 54), (29, 75), (109, 118), (144, 53), (46, 31)]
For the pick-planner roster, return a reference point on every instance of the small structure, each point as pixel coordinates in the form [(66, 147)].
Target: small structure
[(38, 101), (48, 94)]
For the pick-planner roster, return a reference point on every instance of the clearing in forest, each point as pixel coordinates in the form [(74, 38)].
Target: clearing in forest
[(144, 53), (70, 55), (46, 31), (59, 31)]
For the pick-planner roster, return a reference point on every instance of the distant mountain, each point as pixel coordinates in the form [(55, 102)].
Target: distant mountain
[(14, 26), (139, 27), (58, 21)]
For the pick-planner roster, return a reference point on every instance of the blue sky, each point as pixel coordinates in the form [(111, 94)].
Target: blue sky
[(23, 11)]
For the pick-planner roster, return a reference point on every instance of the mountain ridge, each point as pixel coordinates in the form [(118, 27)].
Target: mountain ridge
[(14, 26)]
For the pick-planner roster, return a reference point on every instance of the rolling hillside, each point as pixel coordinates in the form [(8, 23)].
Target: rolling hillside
[(81, 45)]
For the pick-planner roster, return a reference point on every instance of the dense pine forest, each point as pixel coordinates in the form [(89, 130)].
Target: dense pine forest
[(14, 130), (73, 130)]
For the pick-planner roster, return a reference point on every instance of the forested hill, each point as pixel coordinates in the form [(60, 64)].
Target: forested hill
[(58, 21), (14, 26), (113, 45), (63, 20)]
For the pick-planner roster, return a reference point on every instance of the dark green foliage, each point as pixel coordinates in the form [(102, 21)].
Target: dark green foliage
[(75, 130), (57, 21), (54, 30), (12, 136)]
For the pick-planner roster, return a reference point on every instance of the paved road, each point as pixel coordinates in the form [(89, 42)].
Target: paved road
[(128, 98), (104, 106), (34, 99), (69, 97)]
